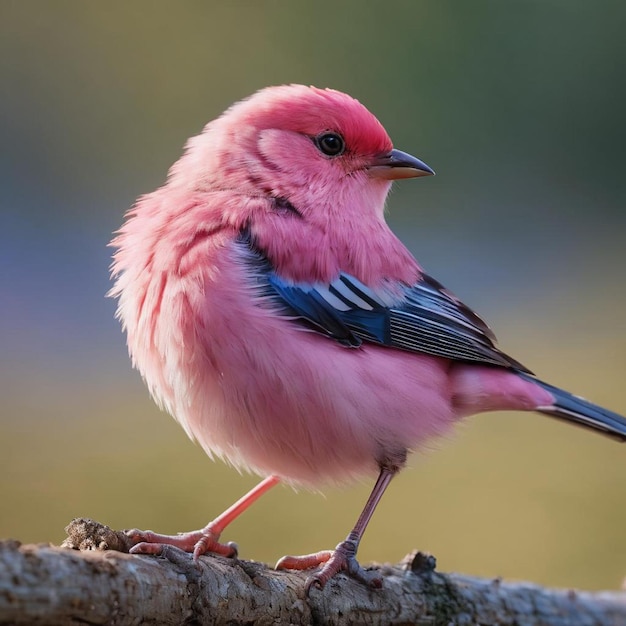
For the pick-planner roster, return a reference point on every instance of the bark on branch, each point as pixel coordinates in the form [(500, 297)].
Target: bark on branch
[(97, 583)]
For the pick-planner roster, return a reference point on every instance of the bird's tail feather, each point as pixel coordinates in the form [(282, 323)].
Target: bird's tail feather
[(576, 410)]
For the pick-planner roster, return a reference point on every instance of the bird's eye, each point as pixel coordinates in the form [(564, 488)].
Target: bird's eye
[(331, 144)]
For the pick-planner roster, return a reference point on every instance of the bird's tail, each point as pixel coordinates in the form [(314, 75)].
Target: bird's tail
[(576, 410)]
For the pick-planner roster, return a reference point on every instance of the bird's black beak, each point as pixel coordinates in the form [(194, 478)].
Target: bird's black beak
[(397, 164)]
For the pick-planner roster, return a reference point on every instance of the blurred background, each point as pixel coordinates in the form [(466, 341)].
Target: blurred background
[(518, 106)]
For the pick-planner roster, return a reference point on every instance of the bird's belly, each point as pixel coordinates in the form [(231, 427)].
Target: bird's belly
[(281, 400)]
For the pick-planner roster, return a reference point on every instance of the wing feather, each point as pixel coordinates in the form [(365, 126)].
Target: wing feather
[(424, 317)]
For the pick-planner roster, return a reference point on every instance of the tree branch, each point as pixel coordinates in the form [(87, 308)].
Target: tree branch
[(96, 583)]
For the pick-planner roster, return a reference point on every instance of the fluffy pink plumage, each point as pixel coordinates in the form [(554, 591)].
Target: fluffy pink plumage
[(256, 199)]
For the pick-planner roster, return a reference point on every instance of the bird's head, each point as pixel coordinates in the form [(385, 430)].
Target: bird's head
[(302, 146), (307, 171)]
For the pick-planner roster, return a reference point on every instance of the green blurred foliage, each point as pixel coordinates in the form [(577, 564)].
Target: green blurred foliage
[(518, 106)]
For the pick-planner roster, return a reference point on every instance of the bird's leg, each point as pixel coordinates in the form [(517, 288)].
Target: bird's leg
[(343, 557), (200, 542)]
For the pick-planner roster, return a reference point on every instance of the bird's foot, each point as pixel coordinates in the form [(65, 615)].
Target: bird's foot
[(197, 542), (341, 559)]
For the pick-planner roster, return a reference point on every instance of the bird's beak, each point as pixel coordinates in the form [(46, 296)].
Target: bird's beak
[(397, 164)]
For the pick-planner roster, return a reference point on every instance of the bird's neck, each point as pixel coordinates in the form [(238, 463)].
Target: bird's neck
[(305, 252)]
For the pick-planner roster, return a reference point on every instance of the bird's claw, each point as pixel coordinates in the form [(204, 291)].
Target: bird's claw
[(197, 543), (341, 559), (208, 544)]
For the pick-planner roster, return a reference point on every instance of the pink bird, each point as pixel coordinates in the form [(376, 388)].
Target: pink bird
[(274, 314)]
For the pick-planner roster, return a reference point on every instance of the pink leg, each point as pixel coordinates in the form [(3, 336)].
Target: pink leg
[(343, 557), (201, 541)]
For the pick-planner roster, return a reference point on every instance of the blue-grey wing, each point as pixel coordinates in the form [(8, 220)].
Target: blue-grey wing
[(423, 317)]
